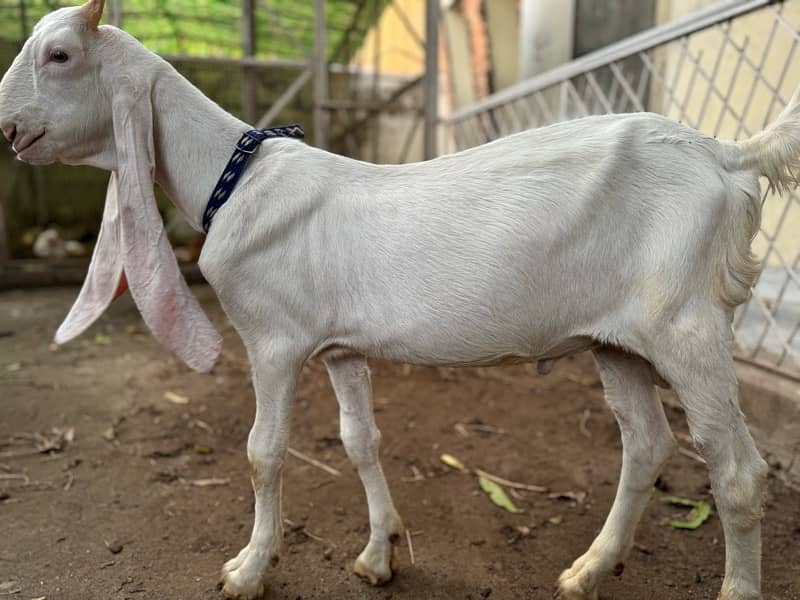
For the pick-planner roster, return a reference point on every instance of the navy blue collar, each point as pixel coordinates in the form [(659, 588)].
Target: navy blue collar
[(245, 148)]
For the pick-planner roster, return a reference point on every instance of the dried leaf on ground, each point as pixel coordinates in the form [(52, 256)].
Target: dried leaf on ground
[(176, 398), (102, 340), (9, 587), (498, 495), (453, 462), (211, 482), (701, 511)]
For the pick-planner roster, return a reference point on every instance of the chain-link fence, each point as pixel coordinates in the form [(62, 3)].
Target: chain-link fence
[(727, 71)]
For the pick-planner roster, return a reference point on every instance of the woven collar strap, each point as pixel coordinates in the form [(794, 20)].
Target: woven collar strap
[(245, 148)]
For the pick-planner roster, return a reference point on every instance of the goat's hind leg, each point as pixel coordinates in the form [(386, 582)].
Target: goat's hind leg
[(647, 442), (703, 375), (361, 438)]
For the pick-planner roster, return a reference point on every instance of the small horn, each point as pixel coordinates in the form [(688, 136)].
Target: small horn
[(93, 11)]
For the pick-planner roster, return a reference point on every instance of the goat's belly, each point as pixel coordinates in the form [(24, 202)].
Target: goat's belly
[(468, 344), (545, 358)]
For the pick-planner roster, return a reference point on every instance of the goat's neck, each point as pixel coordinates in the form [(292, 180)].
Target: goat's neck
[(194, 139)]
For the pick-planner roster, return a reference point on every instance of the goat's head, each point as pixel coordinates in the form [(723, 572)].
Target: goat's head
[(54, 104), (80, 93)]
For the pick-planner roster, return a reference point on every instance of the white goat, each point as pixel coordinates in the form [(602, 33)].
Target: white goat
[(629, 235)]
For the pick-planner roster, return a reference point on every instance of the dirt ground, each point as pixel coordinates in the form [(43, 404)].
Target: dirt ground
[(114, 514)]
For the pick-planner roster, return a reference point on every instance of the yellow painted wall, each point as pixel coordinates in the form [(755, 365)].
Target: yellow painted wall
[(739, 85), (399, 51)]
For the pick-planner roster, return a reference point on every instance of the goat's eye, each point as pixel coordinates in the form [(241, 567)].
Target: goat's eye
[(59, 56)]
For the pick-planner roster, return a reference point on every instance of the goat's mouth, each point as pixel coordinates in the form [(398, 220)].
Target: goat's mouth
[(27, 144)]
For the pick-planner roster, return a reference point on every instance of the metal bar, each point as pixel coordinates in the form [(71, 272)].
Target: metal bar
[(412, 131), (376, 80), (542, 103), (617, 72), (777, 96), (379, 106), (249, 83), (320, 75), (711, 79), (761, 63), (287, 96), (246, 61), (253, 62), (572, 90), (682, 106), (684, 45), (771, 369), (431, 77), (116, 13), (771, 327), (641, 42), (727, 101), (643, 88), (601, 97)]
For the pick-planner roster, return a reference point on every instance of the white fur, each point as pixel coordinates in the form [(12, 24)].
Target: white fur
[(627, 234)]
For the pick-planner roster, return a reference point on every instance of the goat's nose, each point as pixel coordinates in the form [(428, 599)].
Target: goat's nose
[(9, 131)]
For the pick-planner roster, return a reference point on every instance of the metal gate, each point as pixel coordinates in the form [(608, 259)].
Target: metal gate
[(727, 71)]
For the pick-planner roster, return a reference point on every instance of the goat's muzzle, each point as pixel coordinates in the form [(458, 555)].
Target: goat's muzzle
[(9, 131)]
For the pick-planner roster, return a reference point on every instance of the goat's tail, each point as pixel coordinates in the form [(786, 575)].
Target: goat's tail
[(774, 152)]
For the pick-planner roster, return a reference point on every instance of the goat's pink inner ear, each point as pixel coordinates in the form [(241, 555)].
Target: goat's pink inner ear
[(93, 12), (122, 286)]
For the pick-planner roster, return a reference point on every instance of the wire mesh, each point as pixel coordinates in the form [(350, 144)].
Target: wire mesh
[(729, 79)]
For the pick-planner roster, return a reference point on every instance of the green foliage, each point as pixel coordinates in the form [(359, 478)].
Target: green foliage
[(284, 28)]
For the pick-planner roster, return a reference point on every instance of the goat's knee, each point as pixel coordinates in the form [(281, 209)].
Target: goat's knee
[(645, 458), (361, 442), (266, 460), (739, 489)]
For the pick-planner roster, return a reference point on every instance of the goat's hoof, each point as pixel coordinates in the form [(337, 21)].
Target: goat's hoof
[(733, 594), (233, 589), (242, 579), (376, 564), (573, 586)]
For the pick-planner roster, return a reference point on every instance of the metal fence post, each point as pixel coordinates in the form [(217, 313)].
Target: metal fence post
[(431, 77), (249, 84), (116, 13), (321, 82)]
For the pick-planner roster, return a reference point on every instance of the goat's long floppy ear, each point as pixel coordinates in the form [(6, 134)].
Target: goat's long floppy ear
[(133, 239), (104, 276)]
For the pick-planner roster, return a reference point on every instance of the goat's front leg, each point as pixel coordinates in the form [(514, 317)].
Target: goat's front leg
[(360, 436), (274, 379)]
